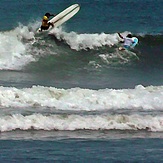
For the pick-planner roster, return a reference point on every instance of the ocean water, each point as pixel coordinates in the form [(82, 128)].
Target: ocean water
[(69, 95)]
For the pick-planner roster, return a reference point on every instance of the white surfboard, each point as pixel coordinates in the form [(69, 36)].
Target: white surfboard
[(63, 16)]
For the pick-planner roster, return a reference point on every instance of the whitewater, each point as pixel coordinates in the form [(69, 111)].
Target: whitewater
[(69, 95), (21, 47)]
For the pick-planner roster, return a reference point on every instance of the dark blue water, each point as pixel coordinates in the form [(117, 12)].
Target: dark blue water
[(72, 150), (69, 95), (95, 16)]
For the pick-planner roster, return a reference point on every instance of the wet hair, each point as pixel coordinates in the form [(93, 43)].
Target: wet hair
[(129, 35), (47, 14)]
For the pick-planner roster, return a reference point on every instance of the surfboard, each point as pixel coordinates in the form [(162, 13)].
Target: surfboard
[(63, 16), (135, 39)]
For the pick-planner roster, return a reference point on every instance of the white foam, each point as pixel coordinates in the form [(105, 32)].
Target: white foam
[(76, 122), (77, 99), (16, 48), (147, 98), (85, 41), (13, 52)]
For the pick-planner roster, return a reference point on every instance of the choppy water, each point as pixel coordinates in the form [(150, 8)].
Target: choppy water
[(72, 88)]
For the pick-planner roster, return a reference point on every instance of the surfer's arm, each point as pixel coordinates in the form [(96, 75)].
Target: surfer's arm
[(120, 36), (51, 24), (52, 14)]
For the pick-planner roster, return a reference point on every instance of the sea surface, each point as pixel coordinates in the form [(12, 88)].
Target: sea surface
[(69, 94)]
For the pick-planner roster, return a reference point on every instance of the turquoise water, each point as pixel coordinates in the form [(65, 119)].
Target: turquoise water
[(69, 95)]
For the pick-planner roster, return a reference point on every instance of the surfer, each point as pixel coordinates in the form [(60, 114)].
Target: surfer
[(128, 41), (45, 24)]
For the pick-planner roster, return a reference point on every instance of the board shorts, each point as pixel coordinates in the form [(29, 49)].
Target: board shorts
[(126, 46), (44, 27)]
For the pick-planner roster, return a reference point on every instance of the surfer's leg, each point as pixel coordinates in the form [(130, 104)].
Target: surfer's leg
[(44, 28), (125, 47), (121, 48)]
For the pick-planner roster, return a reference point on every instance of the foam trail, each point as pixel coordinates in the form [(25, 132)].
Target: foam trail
[(85, 41)]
